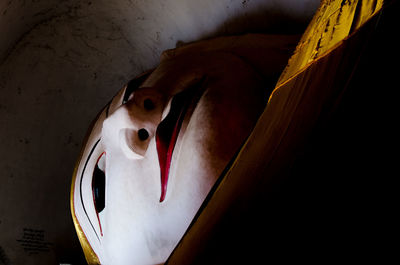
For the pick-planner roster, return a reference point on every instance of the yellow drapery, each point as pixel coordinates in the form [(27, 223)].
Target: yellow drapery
[(331, 24)]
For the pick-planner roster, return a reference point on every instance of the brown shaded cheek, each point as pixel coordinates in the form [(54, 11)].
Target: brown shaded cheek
[(230, 111)]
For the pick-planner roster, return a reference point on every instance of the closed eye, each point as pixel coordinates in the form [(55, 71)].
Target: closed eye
[(99, 183)]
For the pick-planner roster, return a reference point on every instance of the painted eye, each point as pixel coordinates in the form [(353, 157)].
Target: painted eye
[(99, 183)]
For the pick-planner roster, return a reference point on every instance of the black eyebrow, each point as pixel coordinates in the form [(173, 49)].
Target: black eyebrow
[(108, 108), (80, 186), (133, 85)]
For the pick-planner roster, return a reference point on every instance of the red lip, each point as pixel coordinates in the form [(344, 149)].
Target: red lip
[(168, 131)]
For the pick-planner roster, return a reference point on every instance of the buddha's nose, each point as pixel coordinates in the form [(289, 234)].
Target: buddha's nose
[(132, 126)]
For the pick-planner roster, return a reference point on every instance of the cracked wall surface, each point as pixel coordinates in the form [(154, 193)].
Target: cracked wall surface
[(60, 63)]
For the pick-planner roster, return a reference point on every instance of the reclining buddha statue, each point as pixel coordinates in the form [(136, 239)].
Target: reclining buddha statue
[(158, 147), (161, 145)]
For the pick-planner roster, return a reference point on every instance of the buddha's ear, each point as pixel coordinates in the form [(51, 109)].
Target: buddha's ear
[(167, 54)]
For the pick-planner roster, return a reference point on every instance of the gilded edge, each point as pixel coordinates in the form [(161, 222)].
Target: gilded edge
[(90, 255)]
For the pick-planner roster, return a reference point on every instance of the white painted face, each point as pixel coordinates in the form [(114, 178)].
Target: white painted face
[(157, 149)]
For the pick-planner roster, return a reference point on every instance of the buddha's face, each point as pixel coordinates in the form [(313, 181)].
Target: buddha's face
[(157, 149)]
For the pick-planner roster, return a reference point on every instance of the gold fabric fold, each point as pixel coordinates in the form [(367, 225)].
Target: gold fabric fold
[(332, 23)]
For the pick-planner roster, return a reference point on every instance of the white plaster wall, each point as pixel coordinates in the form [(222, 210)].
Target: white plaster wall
[(60, 63)]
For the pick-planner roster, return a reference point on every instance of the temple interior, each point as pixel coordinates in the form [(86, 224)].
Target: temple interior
[(62, 60)]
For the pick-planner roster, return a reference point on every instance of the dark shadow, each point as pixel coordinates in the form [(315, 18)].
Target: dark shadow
[(262, 21)]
